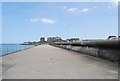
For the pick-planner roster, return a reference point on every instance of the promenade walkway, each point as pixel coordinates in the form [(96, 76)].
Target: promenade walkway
[(0, 68), (48, 62)]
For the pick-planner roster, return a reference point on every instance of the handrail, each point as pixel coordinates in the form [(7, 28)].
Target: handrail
[(8, 50)]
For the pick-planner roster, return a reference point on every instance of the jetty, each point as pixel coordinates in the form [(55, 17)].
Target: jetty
[(49, 62)]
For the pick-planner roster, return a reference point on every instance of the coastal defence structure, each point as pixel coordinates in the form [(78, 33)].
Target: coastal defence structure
[(49, 62), (105, 49), (52, 61)]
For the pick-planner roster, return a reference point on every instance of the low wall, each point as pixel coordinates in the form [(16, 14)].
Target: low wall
[(105, 49)]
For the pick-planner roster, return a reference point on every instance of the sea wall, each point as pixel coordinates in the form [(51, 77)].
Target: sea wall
[(105, 49)]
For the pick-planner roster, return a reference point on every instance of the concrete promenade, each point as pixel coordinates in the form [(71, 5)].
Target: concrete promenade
[(48, 62), (0, 68)]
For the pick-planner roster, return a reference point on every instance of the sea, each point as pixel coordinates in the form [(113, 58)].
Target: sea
[(11, 48)]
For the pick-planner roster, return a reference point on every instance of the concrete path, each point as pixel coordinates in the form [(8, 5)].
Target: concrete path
[(0, 68), (48, 62)]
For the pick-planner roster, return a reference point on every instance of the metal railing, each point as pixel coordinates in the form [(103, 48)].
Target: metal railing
[(0, 51), (8, 50)]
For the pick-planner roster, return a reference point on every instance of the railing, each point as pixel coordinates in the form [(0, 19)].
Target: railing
[(0, 51), (8, 50)]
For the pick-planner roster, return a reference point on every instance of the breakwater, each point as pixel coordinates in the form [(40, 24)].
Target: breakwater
[(105, 49)]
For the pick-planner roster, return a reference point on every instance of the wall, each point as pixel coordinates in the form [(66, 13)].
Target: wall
[(105, 49)]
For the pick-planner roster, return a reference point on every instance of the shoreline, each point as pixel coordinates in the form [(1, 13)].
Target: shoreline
[(14, 52)]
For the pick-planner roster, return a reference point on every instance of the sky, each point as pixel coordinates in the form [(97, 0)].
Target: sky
[(0, 22), (28, 21)]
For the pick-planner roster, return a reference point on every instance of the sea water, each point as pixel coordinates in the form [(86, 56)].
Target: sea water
[(11, 48)]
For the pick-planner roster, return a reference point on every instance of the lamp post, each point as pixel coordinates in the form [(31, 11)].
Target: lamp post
[(69, 25)]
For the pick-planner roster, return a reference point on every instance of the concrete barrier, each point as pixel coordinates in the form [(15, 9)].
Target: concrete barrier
[(105, 49)]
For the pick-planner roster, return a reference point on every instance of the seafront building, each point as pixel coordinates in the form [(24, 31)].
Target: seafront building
[(54, 39), (73, 39), (42, 40), (51, 40)]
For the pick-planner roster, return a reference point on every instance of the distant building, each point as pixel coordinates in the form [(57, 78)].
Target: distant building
[(57, 39), (50, 40), (65, 40), (112, 37), (42, 40), (54, 39), (73, 39)]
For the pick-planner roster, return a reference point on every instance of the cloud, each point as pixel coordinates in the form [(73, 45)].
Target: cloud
[(34, 20), (44, 20), (49, 21), (72, 10), (114, 3), (85, 10)]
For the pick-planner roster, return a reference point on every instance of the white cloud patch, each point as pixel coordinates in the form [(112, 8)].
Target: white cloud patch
[(72, 10), (44, 20), (85, 10), (114, 3), (49, 21), (34, 20)]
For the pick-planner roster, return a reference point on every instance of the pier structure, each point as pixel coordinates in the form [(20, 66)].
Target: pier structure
[(51, 62), (104, 49)]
